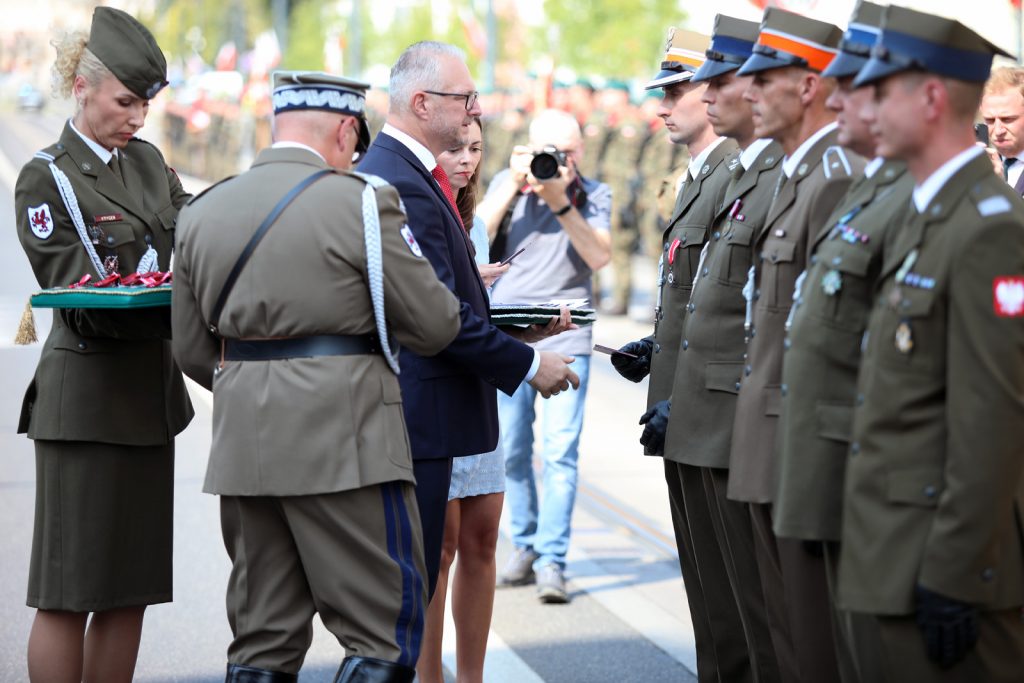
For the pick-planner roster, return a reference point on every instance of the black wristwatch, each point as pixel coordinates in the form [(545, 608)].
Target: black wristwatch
[(564, 210)]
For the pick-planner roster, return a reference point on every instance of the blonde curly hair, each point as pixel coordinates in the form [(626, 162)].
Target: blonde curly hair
[(75, 59)]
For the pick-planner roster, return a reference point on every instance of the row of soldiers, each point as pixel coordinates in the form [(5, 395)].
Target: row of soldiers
[(836, 375)]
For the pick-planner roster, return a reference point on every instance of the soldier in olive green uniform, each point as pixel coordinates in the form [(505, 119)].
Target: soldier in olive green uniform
[(620, 170), (932, 523), (718, 629), (788, 97), (310, 453), (710, 361), (823, 354), (106, 400)]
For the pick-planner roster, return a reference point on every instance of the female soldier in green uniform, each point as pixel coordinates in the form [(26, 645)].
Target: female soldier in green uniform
[(107, 399)]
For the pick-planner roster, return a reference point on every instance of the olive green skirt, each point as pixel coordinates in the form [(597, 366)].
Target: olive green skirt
[(103, 526)]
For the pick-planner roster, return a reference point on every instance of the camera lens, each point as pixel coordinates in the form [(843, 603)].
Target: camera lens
[(544, 166)]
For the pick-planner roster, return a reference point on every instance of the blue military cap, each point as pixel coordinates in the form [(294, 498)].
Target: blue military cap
[(919, 41), (732, 43), (855, 47)]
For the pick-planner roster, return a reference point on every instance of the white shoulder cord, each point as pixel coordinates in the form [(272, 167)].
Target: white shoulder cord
[(67, 193), (375, 262)]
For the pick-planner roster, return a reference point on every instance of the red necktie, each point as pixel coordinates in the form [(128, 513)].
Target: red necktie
[(442, 179)]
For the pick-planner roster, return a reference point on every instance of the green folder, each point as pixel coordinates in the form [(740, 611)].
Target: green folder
[(138, 296)]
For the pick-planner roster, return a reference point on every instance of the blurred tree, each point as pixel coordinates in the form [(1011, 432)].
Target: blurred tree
[(614, 38), (185, 26), (307, 31)]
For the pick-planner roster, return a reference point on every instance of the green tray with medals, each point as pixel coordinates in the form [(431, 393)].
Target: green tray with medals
[(539, 314), (138, 296)]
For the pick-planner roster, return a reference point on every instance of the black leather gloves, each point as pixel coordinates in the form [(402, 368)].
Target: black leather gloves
[(634, 369), (655, 422), (950, 627)]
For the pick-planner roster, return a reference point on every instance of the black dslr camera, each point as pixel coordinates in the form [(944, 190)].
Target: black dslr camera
[(545, 163)]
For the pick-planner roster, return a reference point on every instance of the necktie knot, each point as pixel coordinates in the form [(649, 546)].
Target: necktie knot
[(1007, 163), (115, 167), (446, 187)]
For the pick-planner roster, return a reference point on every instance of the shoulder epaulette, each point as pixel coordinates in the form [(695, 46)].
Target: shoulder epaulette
[(219, 182), (989, 203), (835, 163)]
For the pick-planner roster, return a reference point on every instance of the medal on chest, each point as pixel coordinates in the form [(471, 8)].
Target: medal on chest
[(904, 337), (832, 282)]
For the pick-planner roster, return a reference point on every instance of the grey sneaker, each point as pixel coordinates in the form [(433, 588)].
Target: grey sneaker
[(519, 569), (551, 585)]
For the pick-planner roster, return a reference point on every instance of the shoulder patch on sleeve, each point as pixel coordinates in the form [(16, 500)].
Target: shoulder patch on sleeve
[(994, 205), (40, 220), (835, 163), (1008, 296), (410, 240)]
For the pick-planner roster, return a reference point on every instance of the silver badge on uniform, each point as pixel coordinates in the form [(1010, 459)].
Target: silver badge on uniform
[(832, 282)]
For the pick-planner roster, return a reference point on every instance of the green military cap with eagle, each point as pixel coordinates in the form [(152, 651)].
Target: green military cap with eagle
[(128, 50), (861, 35)]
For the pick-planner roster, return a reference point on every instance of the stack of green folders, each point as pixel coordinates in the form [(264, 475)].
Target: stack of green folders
[(138, 296), (538, 314)]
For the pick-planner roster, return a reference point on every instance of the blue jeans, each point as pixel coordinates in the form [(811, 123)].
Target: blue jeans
[(545, 530)]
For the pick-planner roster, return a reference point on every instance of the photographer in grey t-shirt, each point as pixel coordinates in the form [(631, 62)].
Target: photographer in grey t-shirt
[(563, 221)]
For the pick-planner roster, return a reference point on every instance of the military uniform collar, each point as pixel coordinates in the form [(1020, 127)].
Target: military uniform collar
[(872, 166), (99, 150), (699, 161), (930, 188), (791, 163), (288, 144), (753, 150)]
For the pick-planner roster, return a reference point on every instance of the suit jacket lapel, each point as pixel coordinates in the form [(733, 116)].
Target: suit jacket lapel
[(104, 180), (693, 189), (806, 168), (394, 146), (936, 212), (768, 159)]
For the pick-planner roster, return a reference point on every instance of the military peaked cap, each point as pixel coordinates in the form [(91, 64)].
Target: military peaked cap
[(789, 39), (732, 43), (684, 54)]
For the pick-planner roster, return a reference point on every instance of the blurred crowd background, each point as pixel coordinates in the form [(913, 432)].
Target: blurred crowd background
[(589, 57)]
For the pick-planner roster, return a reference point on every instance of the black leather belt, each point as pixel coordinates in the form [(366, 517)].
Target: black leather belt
[(301, 347)]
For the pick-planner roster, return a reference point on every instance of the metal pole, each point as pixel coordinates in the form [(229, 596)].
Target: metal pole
[(279, 15)]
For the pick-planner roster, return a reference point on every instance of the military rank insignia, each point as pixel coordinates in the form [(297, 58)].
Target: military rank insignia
[(904, 337), (40, 220), (1008, 296)]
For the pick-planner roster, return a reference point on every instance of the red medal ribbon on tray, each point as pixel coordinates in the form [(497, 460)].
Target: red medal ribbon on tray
[(153, 279)]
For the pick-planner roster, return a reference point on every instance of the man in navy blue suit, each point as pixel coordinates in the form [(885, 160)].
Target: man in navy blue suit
[(449, 399)]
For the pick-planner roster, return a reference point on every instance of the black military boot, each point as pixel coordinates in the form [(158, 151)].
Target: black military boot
[(370, 670), (237, 673)]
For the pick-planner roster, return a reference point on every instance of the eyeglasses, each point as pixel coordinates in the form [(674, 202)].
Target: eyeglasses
[(469, 97)]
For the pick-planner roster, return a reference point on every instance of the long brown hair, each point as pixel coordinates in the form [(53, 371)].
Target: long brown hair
[(466, 201)]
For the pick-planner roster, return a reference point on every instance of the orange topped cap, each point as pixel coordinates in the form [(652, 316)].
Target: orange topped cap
[(789, 39)]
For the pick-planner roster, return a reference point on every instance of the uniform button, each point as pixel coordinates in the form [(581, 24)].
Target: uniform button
[(744, 356), (110, 239), (737, 386), (854, 448), (82, 345), (786, 344), (683, 238), (814, 259), (860, 399), (929, 491), (689, 307), (784, 389), (686, 345), (747, 370), (837, 260), (718, 235), (987, 574), (704, 272), (657, 347)]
